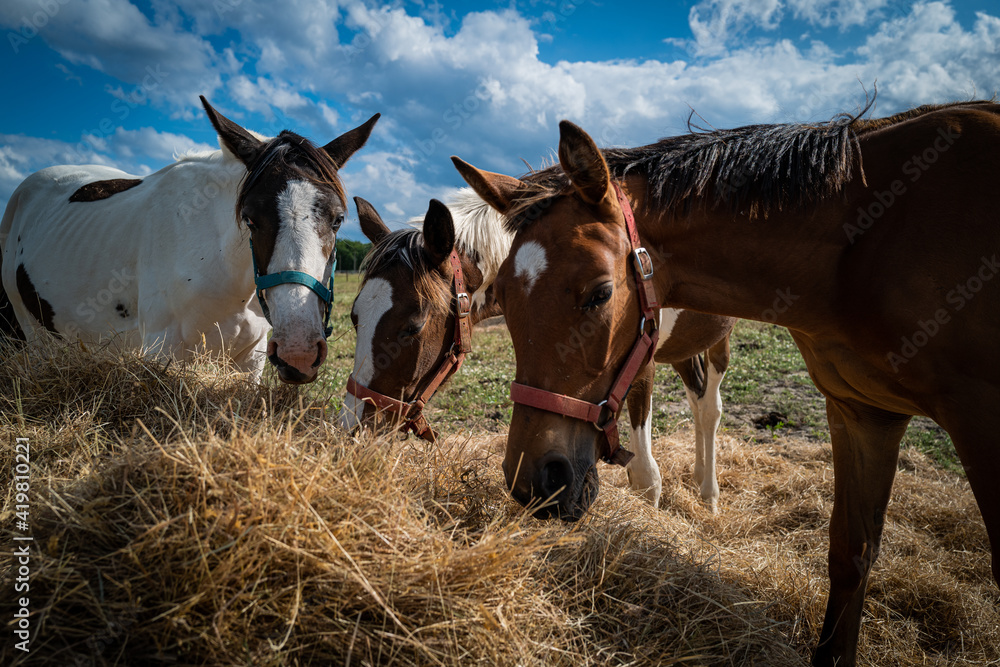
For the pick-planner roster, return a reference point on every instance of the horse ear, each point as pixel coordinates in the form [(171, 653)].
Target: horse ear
[(583, 162), (240, 143), (439, 232), (343, 147), (371, 221), (497, 190)]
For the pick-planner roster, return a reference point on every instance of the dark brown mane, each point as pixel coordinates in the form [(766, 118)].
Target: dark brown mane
[(863, 125), (295, 152), (403, 249), (753, 169)]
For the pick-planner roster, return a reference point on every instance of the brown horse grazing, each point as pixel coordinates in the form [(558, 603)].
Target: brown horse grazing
[(409, 342), (875, 242), (421, 294)]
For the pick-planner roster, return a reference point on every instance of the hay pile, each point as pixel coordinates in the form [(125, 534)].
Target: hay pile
[(184, 516)]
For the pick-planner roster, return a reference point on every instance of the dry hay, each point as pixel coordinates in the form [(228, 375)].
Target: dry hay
[(185, 516), (932, 599)]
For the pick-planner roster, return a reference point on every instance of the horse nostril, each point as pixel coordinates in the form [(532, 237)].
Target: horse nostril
[(321, 350), (555, 477)]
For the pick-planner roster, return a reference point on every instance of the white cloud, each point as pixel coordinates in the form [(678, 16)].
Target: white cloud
[(928, 56), (843, 14), (159, 61), (713, 22), (720, 25), (477, 86), (146, 143)]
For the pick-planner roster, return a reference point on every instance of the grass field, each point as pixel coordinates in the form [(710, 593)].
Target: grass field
[(767, 390)]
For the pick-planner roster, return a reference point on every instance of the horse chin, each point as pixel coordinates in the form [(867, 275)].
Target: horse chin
[(289, 374), (589, 488)]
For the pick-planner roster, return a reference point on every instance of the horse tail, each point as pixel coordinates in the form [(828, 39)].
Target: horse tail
[(9, 326)]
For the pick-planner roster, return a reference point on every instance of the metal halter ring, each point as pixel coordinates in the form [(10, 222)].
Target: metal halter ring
[(611, 416)]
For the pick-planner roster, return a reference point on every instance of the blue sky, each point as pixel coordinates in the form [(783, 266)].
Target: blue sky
[(117, 82)]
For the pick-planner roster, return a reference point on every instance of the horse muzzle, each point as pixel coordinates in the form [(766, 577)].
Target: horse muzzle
[(297, 364), (555, 487)]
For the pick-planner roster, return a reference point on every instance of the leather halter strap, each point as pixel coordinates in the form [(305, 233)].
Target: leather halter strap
[(411, 412), (604, 415), (325, 294)]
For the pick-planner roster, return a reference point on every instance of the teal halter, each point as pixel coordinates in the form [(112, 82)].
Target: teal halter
[(297, 277)]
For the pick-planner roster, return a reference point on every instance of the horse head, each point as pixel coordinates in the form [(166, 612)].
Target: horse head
[(412, 317), (293, 203), (569, 294)]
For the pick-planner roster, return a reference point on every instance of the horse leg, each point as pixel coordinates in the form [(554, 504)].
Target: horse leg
[(865, 450), (975, 442), (253, 359), (643, 471), (702, 379)]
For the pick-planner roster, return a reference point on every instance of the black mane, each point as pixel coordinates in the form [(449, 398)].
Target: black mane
[(754, 169)]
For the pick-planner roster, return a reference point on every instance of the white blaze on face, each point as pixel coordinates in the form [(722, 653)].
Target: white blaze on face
[(372, 303), (529, 263), (294, 312)]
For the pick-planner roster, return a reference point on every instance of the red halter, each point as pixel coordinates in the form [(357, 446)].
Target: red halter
[(411, 413), (604, 415)]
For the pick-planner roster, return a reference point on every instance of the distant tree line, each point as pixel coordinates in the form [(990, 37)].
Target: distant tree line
[(350, 253)]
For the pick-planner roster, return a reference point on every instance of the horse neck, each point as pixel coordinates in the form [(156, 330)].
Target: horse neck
[(213, 207), (766, 269)]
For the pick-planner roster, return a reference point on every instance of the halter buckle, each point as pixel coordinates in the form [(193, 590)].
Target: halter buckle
[(464, 304), (637, 255)]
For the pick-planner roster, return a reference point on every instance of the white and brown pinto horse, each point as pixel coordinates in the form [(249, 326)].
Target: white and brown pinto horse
[(874, 241), (410, 337), (162, 263)]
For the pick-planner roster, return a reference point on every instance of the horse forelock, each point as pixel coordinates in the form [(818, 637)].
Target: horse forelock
[(480, 233), (403, 249), (301, 158), (753, 169)]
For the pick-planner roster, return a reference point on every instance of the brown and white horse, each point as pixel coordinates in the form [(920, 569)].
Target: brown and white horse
[(408, 338), (162, 263), (874, 241)]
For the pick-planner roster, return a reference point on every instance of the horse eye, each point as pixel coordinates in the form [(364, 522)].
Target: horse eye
[(249, 223), (413, 328), (338, 221), (600, 296)]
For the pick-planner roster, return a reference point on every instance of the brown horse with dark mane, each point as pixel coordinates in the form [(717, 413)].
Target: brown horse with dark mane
[(875, 242), (423, 289)]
